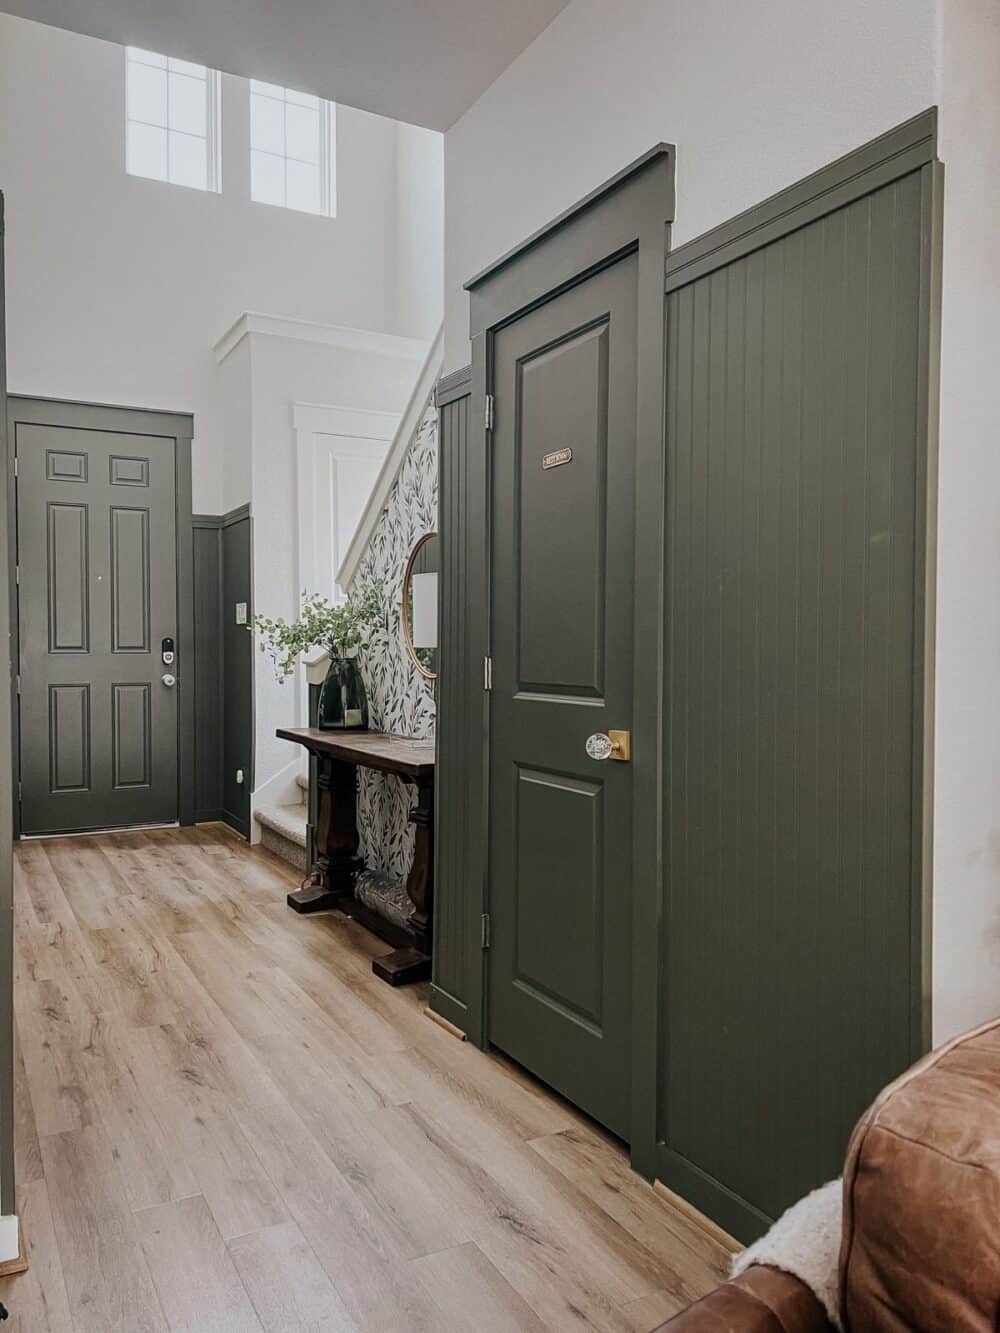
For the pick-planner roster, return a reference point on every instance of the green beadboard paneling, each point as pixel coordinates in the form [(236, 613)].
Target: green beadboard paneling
[(793, 428)]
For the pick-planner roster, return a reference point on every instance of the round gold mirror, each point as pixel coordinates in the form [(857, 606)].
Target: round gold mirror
[(420, 602)]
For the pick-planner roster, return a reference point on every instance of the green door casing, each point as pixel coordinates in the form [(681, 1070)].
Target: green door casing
[(563, 458), (97, 595)]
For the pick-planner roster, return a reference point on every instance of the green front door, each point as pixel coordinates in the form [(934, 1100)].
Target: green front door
[(97, 599), (563, 487)]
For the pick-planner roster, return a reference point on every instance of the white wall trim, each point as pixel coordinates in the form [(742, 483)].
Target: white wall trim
[(310, 420), (282, 789), (360, 422), (429, 375), (330, 335), (10, 1238)]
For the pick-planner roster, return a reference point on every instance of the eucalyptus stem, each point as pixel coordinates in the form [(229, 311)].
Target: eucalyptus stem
[(339, 629)]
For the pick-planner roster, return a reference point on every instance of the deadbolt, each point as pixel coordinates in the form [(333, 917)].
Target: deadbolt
[(610, 745)]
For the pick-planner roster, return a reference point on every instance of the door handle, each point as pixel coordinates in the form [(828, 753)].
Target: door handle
[(610, 745), (169, 680)]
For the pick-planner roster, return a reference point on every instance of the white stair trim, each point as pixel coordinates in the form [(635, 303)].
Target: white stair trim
[(288, 820), (410, 420)]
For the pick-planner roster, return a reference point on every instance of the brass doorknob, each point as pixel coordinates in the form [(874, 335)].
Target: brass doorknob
[(610, 745)]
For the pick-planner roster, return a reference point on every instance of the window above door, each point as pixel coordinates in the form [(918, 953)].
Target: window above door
[(172, 120), (292, 149)]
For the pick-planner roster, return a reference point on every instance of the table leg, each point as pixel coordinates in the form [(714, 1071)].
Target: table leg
[(414, 963), (336, 839)]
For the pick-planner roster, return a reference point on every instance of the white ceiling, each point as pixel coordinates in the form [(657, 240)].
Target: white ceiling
[(423, 61)]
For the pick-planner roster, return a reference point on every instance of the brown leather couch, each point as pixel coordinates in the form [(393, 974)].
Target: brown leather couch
[(920, 1251)]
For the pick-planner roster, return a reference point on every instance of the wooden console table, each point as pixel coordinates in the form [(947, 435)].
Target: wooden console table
[(339, 756)]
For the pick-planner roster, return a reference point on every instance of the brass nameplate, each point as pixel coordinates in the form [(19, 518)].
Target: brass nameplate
[(557, 458)]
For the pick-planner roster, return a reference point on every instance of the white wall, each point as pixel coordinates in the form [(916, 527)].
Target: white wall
[(419, 231), (118, 287), (285, 371), (967, 786), (756, 96), (753, 95)]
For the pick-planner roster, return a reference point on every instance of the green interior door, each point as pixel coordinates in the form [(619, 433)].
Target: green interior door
[(563, 484), (793, 526), (97, 595)]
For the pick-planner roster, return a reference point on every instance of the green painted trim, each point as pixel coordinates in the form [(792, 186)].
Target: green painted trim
[(597, 231), (452, 387), (236, 515), (7, 1193), (448, 1007), (572, 214), (710, 1196), (629, 214), (925, 627), (894, 154), (208, 666)]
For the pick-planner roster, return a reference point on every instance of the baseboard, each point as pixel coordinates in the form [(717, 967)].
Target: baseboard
[(242, 826), (443, 1005), (13, 1258), (699, 1219), (442, 1022), (707, 1197)]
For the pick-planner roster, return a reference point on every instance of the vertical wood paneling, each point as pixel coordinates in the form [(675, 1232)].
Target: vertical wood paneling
[(792, 434), (208, 690), (457, 897)]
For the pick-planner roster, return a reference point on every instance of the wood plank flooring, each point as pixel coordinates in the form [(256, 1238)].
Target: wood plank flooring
[(226, 1124)]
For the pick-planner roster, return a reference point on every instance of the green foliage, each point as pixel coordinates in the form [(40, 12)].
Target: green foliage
[(339, 629)]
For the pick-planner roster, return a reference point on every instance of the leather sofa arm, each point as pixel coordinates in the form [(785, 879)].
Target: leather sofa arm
[(761, 1300)]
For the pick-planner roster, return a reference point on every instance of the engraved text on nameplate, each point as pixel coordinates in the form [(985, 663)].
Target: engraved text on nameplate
[(557, 458)]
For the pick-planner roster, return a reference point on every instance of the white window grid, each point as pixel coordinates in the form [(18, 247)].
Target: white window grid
[(175, 69), (326, 147)]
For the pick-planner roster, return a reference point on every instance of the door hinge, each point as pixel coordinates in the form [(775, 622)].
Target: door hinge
[(19, 682), (489, 411), (487, 673), (17, 575), (15, 465), (485, 930)]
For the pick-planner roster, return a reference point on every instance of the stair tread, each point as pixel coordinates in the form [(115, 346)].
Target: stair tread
[(288, 820)]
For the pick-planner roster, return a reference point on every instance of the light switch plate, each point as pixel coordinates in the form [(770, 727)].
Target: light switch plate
[(241, 613)]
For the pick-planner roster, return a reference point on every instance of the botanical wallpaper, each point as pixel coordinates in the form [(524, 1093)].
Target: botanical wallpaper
[(400, 699)]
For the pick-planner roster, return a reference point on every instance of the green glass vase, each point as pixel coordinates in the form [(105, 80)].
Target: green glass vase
[(343, 704)]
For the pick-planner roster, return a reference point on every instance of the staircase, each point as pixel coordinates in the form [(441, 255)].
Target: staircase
[(283, 827)]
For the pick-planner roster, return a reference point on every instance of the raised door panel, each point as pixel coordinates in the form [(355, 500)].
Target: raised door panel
[(67, 588), (69, 738), (562, 428), (130, 579), (559, 893), (131, 747)]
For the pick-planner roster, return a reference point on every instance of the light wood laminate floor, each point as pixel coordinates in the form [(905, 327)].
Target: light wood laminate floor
[(225, 1124)]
